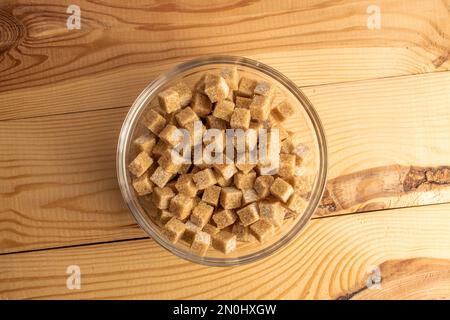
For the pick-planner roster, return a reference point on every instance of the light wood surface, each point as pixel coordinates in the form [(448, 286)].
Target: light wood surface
[(382, 95), (58, 171), (333, 258), (312, 42)]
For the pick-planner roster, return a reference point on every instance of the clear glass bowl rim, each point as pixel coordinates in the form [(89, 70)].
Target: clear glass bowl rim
[(140, 103)]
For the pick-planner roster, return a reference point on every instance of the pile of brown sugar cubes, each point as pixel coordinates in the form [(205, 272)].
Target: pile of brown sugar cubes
[(217, 205)]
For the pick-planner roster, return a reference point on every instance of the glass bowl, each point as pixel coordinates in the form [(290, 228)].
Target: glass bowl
[(305, 125)]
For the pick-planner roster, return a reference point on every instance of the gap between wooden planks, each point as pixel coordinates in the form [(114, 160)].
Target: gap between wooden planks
[(58, 185), (332, 258), (47, 69)]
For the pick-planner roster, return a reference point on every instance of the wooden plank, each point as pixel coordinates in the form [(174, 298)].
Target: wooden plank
[(333, 258), (46, 68), (58, 183), (58, 172), (388, 142), (412, 279)]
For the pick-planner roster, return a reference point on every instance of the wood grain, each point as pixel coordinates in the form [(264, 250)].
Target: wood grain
[(58, 183), (58, 172), (409, 279), (46, 68), (333, 258), (388, 143), (385, 187)]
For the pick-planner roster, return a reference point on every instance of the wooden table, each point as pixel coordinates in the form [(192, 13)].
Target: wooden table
[(383, 95)]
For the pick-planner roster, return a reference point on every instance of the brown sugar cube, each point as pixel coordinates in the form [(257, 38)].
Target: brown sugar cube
[(272, 212), (287, 145), (201, 214), (181, 206), (203, 165), (168, 164), (256, 125), (152, 168), (173, 230), (264, 88), (165, 216), (186, 185), (216, 87), (201, 242), (184, 168), (190, 231), (249, 196), (217, 141), (191, 127), (287, 165), (283, 111), (171, 185), (230, 198), (243, 102), (204, 179), (224, 241), (230, 96), (300, 184), (272, 147), (216, 123), (245, 167), (262, 230), (196, 201), (260, 108), (170, 118), (161, 197), (246, 87), (154, 121), (240, 119), (184, 93), (223, 110), (212, 230), (175, 97), (262, 185), (160, 177), (146, 142), (268, 164), (271, 121), (143, 185), (296, 203), (140, 164), (248, 214), (244, 181), (195, 169), (231, 77), (282, 132), (265, 169), (221, 181), (242, 233), (224, 218), (171, 135), (201, 104), (156, 107), (281, 189), (160, 148), (211, 195), (186, 115), (227, 170), (200, 84), (169, 100)]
